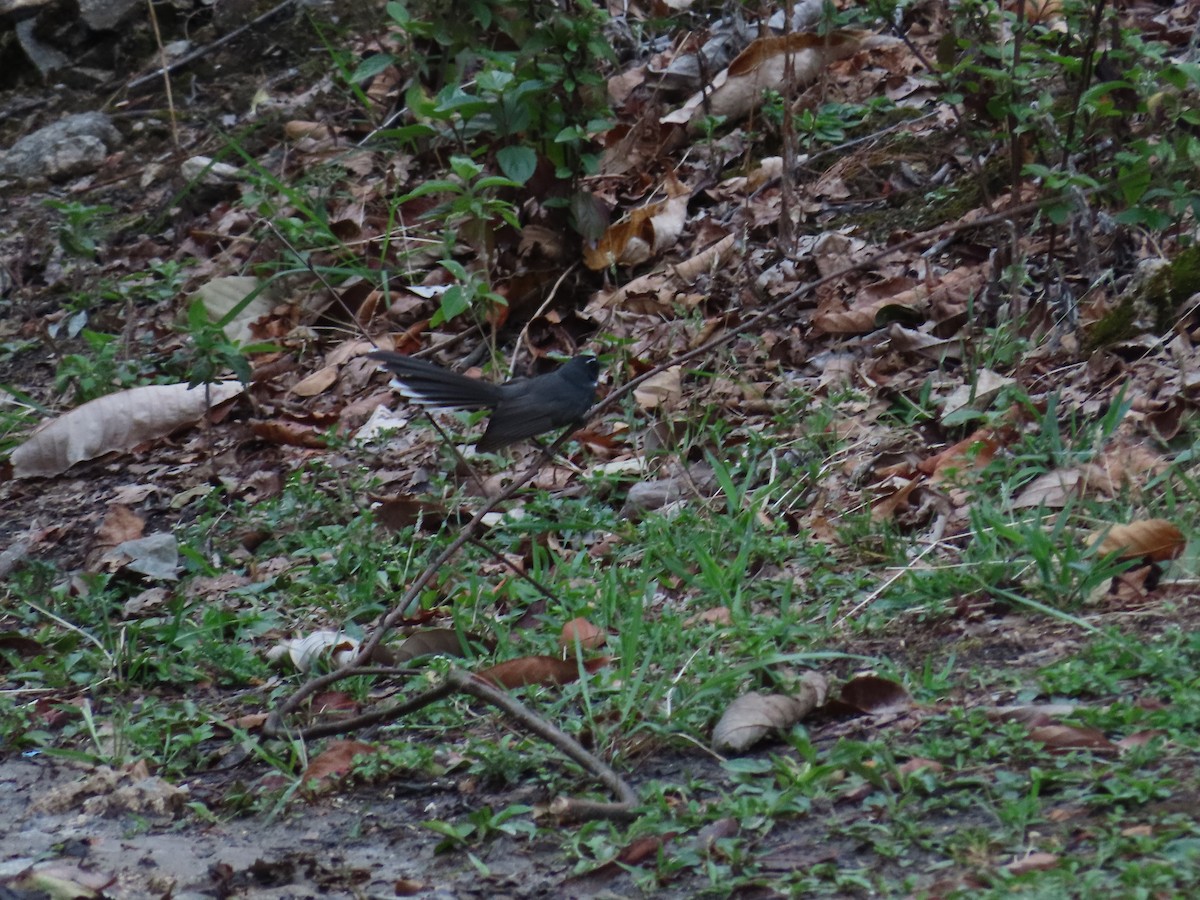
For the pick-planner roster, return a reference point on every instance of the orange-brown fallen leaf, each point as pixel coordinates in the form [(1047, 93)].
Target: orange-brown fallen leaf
[(539, 670), (337, 759), (1034, 862), (1155, 539), (581, 631)]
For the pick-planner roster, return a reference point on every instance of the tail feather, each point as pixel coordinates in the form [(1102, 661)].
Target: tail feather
[(433, 386)]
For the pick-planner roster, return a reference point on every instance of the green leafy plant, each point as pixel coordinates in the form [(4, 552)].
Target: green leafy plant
[(524, 80), (482, 825), (210, 353), (104, 370), (83, 227)]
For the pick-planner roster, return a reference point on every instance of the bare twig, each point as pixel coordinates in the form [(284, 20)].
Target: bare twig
[(462, 681)]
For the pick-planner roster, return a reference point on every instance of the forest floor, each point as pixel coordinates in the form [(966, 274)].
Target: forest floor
[(872, 575)]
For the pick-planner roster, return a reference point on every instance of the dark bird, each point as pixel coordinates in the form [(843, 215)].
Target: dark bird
[(521, 408)]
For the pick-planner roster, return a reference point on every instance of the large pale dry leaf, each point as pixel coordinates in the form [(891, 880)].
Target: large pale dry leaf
[(979, 395), (155, 556), (768, 64), (221, 295), (115, 422), (909, 340), (662, 390), (753, 716), (1155, 539), (1050, 489), (304, 652)]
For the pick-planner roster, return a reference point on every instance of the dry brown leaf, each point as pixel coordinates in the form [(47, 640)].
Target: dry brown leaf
[(581, 631), (909, 340), (336, 760), (752, 716), (768, 167), (113, 422), (718, 615), (295, 434), (1154, 539), (431, 642), (538, 670), (771, 63), (221, 295), (662, 390), (1050, 489), (1034, 862), (985, 387), (120, 524), (646, 233), (654, 293), (712, 257), (885, 508), (316, 383), (298, 128), (973, 452), (1071, 737), (860, 318), (874, 695)]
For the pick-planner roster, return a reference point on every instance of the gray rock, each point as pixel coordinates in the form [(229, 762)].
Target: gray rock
[(43, 56), (103, 15), (70, 147)]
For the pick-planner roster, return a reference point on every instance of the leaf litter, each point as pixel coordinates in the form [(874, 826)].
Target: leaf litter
[(701, 247)]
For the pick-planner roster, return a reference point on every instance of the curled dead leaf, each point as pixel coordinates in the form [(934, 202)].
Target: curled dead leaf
[(647, 231), (874, 695), (753, 716), (1155, 539), (581, 631), (304, 652)]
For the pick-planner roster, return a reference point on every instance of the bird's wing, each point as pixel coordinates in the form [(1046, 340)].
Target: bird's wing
[(503, 429), (433, 386), (520, 415)]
